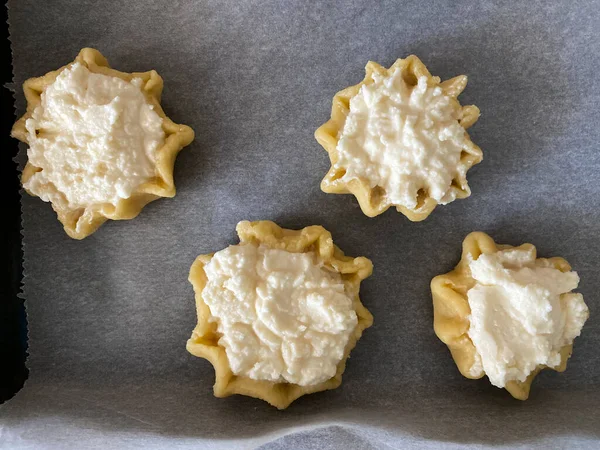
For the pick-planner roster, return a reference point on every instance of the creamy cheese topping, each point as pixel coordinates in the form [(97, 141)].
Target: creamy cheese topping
[(95, 138), (522, 313), (283, 316), (403, 139)]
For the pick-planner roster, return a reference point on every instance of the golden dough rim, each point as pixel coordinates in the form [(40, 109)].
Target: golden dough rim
[(372, 200), (204, 340), (451, 310), (82, 222)]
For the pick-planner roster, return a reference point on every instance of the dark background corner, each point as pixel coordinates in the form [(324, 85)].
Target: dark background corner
[(13, 334)]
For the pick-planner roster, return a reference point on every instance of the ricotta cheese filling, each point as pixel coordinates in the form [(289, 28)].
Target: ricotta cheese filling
[(94, 136), (404, 139), (522, 313), (283, 316)]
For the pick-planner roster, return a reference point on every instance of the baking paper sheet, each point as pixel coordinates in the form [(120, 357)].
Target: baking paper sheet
[(109, 316)]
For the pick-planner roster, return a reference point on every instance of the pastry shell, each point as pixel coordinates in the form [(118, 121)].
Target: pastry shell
[(373, 201), (204, 341), (80, 223), (451, 310)]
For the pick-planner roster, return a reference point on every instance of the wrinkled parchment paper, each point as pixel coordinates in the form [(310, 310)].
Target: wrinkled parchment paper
[(109, 316)]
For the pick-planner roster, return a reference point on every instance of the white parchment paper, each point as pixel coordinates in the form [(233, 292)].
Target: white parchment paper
[(109, 316)]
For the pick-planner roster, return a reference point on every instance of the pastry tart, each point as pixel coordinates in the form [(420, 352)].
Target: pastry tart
[(507, 314), (100, 145), (278, 313), (398, 138)]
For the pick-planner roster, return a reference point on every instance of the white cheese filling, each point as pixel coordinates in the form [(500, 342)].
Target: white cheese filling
[(94, 136), (522, 313), (283, 317), (403, 139)]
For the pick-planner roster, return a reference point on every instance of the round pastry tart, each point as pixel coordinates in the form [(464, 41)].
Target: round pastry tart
[(507, 314), (278, 313), (100, 145), (398, 138)]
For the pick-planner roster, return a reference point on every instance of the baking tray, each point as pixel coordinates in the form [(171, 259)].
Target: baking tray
[(109, 316)]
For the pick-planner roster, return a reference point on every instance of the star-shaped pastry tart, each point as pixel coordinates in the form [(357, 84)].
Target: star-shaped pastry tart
[(374, 200), (83, 221), (204, 341), (451, 310)]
